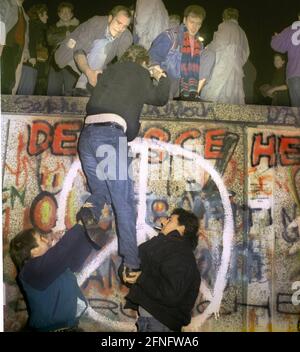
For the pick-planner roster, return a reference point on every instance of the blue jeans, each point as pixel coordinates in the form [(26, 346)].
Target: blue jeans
[(150, 324), (294, 89), (103, 151)]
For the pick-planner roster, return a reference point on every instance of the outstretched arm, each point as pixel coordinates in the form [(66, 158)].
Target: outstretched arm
[(82, 63), (69, 252), (280, 42), (160, 49), (158, 94)]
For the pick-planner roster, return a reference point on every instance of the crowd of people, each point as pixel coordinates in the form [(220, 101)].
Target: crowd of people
[(164, 287), (66, 57)]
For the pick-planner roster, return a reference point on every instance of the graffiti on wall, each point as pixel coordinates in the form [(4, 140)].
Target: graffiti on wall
[(201, 168), (273, 174), (76, 106)]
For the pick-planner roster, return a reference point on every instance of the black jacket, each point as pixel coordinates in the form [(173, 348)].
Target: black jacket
[(169, 284), (123, 89), (37, 39)]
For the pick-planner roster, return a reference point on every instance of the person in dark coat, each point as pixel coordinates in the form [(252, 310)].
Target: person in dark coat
[(38, 52), (61, 81), (278, 89), (167, 288)]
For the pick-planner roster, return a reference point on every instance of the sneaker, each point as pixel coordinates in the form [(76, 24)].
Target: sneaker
[(128, 273), (80, 92), (98, 236), (86, 215)]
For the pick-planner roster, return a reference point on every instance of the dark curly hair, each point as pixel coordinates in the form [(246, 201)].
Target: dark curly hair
[(191, 223), (36, 10), (20, 247), (137, 54)]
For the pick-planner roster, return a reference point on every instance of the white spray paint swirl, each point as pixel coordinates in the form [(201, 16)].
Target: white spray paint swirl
[(142, 146)]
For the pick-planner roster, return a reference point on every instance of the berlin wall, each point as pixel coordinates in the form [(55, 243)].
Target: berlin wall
[(233, 166)]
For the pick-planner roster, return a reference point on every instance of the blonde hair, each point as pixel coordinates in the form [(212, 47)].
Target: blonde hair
[(137, 54)]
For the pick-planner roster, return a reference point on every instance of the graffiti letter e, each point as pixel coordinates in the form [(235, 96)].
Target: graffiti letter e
[(296, 35), (296, 295)]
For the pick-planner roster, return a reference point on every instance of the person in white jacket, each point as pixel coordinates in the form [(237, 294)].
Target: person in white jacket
[(151, 19), (231, 47)]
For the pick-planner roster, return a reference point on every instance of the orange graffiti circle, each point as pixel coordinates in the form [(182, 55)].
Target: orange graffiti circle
[(44, 213), (159, 206)]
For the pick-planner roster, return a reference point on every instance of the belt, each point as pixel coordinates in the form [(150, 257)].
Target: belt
[(110, 124)]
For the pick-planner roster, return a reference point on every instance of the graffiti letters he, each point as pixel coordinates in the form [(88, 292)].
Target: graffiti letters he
[(284, 150)]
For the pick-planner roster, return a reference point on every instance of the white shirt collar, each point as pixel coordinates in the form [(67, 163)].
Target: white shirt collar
[(108, 36)]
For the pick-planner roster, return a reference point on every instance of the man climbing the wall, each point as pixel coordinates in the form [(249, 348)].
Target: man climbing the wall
[(113, 119)]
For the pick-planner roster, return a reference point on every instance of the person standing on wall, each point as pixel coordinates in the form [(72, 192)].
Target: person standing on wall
[(230, 45), (14, 39), (61, 81), (288, 41), (93, 45), (180, 52), (35, 72)]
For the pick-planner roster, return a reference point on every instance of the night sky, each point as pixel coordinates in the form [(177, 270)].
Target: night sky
[(259, 19)]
